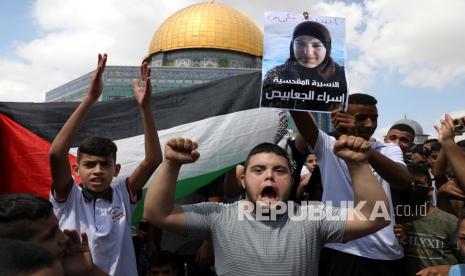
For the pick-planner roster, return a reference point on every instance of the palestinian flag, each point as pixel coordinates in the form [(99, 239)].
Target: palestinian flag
[(222, 116)]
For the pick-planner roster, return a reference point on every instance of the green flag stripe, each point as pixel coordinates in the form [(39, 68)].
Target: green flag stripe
[(183, 188)]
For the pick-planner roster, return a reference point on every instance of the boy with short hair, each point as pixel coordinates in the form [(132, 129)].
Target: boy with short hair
[(100, 207), (162, 263), (402, 135)]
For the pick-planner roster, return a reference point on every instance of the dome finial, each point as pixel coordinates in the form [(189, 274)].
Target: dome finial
[(305, 13)]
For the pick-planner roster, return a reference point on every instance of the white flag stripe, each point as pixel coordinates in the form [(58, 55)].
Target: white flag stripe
[(223, 141)]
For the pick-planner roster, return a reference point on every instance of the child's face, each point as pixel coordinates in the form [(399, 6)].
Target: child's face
[(96, 172), (461, 237)]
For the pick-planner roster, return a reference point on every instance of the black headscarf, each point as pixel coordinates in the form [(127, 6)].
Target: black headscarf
[(327, 67)]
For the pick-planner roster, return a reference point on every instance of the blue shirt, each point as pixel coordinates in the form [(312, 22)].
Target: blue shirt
[(457, 270)]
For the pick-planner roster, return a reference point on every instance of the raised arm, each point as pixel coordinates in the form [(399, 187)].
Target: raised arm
[(455, 156), (368, 192), (159, 207), (308, 131), (58, 154), (439, 170), (153, 155), (396, 174)]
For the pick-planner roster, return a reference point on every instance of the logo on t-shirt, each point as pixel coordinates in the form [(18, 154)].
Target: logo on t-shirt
[(425, 246), (117, 214)]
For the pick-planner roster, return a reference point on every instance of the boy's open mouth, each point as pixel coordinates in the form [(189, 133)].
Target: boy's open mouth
[(269, 194), (97, 180)]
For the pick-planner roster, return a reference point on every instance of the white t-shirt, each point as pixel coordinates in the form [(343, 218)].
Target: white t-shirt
[(337, 188), (106, 223)]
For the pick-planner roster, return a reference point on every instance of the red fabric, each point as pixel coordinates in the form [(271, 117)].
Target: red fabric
[(24, 163)]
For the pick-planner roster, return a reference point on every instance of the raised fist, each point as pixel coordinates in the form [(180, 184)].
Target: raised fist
[(352, 149), (181, 150)]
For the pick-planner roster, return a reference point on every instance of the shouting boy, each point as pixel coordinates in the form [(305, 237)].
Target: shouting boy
[(100, 206)]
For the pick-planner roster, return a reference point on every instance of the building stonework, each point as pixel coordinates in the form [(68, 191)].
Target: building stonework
[(118, 81), (205, 58)]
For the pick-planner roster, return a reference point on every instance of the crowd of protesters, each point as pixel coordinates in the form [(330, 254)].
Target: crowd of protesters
[(405, 219)]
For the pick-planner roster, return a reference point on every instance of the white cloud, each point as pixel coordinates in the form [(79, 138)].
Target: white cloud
[(425, 47), (72, 33), (380, 133)]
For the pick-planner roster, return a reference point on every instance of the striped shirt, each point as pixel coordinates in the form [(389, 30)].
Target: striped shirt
[(285, 246)]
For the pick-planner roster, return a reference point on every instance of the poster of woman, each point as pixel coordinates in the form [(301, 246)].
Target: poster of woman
[(303, 62)]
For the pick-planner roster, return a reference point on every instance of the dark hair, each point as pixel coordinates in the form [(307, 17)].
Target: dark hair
[(97, 146), (420, 169), (20, 257), (429, 141), (269, 148), (435, 146), (461, 143), (16, 212), (162, 258), (417, 149), (404, 127), (363, 99)]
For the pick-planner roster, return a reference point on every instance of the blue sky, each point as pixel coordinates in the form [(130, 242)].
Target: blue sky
[(408, 54), (17, 14)]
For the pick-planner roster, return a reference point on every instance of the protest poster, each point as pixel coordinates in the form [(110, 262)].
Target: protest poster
[(303, 62)]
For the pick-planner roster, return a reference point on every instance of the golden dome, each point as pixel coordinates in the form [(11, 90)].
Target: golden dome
[(208, 25)]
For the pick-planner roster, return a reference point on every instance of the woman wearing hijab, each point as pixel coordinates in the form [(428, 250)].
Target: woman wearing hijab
[(309, 59)]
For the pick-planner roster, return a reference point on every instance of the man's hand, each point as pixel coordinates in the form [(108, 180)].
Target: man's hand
[(205, 256), (304, 179), (400, 232), (352, 149), (96, 84), (142, 92), (452, 190), (77, 259), (446, 131), (343, 122), (438, 270), (181, 151)]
